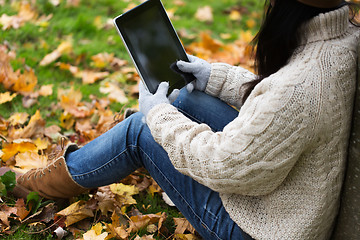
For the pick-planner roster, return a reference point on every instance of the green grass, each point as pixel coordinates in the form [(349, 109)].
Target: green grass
[(32, 42)]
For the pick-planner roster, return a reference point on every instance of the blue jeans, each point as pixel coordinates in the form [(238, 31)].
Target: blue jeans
[(129, 145)]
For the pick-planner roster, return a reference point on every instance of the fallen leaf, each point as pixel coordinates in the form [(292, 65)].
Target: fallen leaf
[(18, 118), (21, 210), (89, 76), (46, 90), (115, 93), (26, 82), (76, 212), (204, 14), (64, 47), (11, 149), (182, 225), (29, 160), (235, 15), (122, 189), (91, 235), (7, 97)]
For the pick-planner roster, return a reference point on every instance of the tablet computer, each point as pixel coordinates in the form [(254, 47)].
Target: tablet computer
[(153, 45)]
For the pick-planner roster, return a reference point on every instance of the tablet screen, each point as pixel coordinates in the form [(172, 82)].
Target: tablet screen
[(153, 44)]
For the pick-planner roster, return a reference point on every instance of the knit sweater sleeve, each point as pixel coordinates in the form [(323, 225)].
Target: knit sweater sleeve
[(252, 155), (225, 82)]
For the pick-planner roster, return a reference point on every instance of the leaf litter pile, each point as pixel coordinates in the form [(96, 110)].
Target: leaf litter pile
[(117, 211)]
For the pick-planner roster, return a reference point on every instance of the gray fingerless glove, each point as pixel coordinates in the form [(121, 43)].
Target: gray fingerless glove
[(148, 100), (200, 68)]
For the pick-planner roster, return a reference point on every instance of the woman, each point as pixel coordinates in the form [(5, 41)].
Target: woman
[(274, 169)]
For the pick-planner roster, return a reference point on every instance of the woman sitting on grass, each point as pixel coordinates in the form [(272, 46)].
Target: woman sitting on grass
[(272, 170)]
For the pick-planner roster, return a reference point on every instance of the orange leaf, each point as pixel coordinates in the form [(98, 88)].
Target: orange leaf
[(11, 149), (26, 82)]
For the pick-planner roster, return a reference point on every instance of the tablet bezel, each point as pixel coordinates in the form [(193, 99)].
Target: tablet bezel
[(132, 14)]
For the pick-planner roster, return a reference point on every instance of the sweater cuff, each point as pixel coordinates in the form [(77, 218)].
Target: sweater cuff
[(157, 112), (217, 78)]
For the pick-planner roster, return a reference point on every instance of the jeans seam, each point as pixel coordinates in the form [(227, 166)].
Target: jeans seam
[(189, 206)]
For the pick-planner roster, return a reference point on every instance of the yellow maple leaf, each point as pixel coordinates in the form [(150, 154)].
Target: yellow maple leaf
[(66, 121), (11, 149), (18, 118), (122, 189), (7, 97), (76, 212), (41, 143)]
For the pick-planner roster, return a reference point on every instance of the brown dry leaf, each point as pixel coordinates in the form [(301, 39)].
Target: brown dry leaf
[(204, 14), (7, 74), (141, 221), (182, 225), (64, 47), (7, 97), (11, 149), (115, 228), (76, 212), (21, 210), (29, 160)]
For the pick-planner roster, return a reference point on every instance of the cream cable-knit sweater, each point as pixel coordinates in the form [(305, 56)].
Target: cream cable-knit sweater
[(279, 165)]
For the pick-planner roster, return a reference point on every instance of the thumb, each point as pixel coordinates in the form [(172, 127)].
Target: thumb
[(162, 89), (186, 66), (142, 90)]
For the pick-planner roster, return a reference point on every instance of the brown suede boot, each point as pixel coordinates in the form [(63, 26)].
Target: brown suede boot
[(53, 181)]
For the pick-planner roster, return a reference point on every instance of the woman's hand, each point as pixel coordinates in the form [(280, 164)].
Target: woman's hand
[(200, 68), (148, 100)]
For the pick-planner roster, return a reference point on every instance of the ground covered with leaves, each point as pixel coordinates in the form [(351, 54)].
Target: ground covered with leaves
[(64, 73)]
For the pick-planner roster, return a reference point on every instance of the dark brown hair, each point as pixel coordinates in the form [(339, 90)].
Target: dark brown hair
[(279, 36)]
